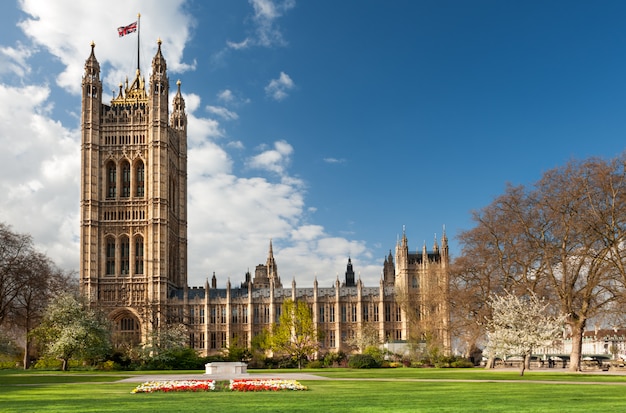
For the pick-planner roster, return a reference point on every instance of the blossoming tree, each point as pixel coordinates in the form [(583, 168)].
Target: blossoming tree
[(520, 324)]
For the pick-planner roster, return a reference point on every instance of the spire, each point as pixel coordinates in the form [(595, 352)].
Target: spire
[(159, 83), (92, 67), (178, 120), (349, 281)]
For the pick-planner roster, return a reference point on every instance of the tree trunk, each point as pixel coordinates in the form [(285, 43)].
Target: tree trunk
[(525, 364), (64, 365), (578, 329), (491, 363), (26, 359)]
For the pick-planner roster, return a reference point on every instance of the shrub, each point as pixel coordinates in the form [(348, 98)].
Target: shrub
[(334, 359), (462, 363), (362, 361)]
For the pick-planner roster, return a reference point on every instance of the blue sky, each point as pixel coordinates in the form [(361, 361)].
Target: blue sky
[(326, 126)]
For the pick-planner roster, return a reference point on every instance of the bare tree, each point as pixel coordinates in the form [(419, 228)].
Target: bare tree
[(561, 239), (15, 250)]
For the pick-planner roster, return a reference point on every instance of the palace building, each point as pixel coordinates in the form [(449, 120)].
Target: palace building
[(133, 254)]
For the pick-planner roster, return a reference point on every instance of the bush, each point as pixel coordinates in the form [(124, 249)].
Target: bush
[(462, 363), (334, 359), (362, 361)]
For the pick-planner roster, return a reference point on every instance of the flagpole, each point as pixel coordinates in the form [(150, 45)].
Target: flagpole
[(138, 33)]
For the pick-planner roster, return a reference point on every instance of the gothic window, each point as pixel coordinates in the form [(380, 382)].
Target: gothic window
[(353, 313), (127, 331), (331, 317), (344, 316), (139, 179), (414, 281), (124, 255), (111, 180), (125, 179), (366, 314), (376, 313), (387, 311), (110, 256), (322, 318), (173, 200), (139, 255)]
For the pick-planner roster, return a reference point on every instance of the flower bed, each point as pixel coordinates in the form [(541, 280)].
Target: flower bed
[(175, 385), (264, 385)]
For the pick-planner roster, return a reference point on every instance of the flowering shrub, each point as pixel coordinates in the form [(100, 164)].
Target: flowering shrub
[(264, 385), (175, 385)]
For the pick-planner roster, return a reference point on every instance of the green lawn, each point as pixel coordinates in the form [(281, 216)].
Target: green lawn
[(89, 392)]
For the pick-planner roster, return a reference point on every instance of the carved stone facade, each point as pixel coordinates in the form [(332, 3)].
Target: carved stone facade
[(134, 242)]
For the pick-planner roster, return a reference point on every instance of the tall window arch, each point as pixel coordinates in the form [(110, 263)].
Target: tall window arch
[(125, 179), (110, 256), (124, 255), (140, 179), (126, 331), (138, 255), (111, 179)]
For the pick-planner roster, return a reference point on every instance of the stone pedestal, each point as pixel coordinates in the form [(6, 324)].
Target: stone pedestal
[(226, 367)]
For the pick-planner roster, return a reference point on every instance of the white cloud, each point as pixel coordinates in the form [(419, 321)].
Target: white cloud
[(222, 112), (274, 160), (334, 160), (226, 95), (14, 60), (40, 172), (266, 12), (277, 88), (266, 30), (244, 44)]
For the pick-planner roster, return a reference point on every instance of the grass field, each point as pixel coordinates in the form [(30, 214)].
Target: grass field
[(392, 390)]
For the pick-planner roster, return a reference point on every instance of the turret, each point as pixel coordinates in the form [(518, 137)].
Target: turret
[(92, 94), (349, 281), (159, 86)]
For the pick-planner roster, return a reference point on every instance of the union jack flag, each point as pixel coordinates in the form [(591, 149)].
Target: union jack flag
[(124, 30)]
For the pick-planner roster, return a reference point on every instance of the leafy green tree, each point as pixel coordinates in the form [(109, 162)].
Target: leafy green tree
[(70, 329), (237, 351), (295, 334)]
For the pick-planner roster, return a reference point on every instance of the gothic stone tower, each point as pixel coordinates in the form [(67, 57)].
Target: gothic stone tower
[(133, 200), (422, 291)]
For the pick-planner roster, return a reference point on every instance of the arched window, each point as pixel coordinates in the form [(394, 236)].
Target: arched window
[(414, 282), (110, 256), (139, 179), (124, 255), (111, 180), (138, 255), (125, 179), (127, 331)]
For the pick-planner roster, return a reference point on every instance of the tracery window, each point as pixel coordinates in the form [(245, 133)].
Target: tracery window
[(124, 255), (138, 255), (110, 256), (111, 180), (125, 180), (140, 180)]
